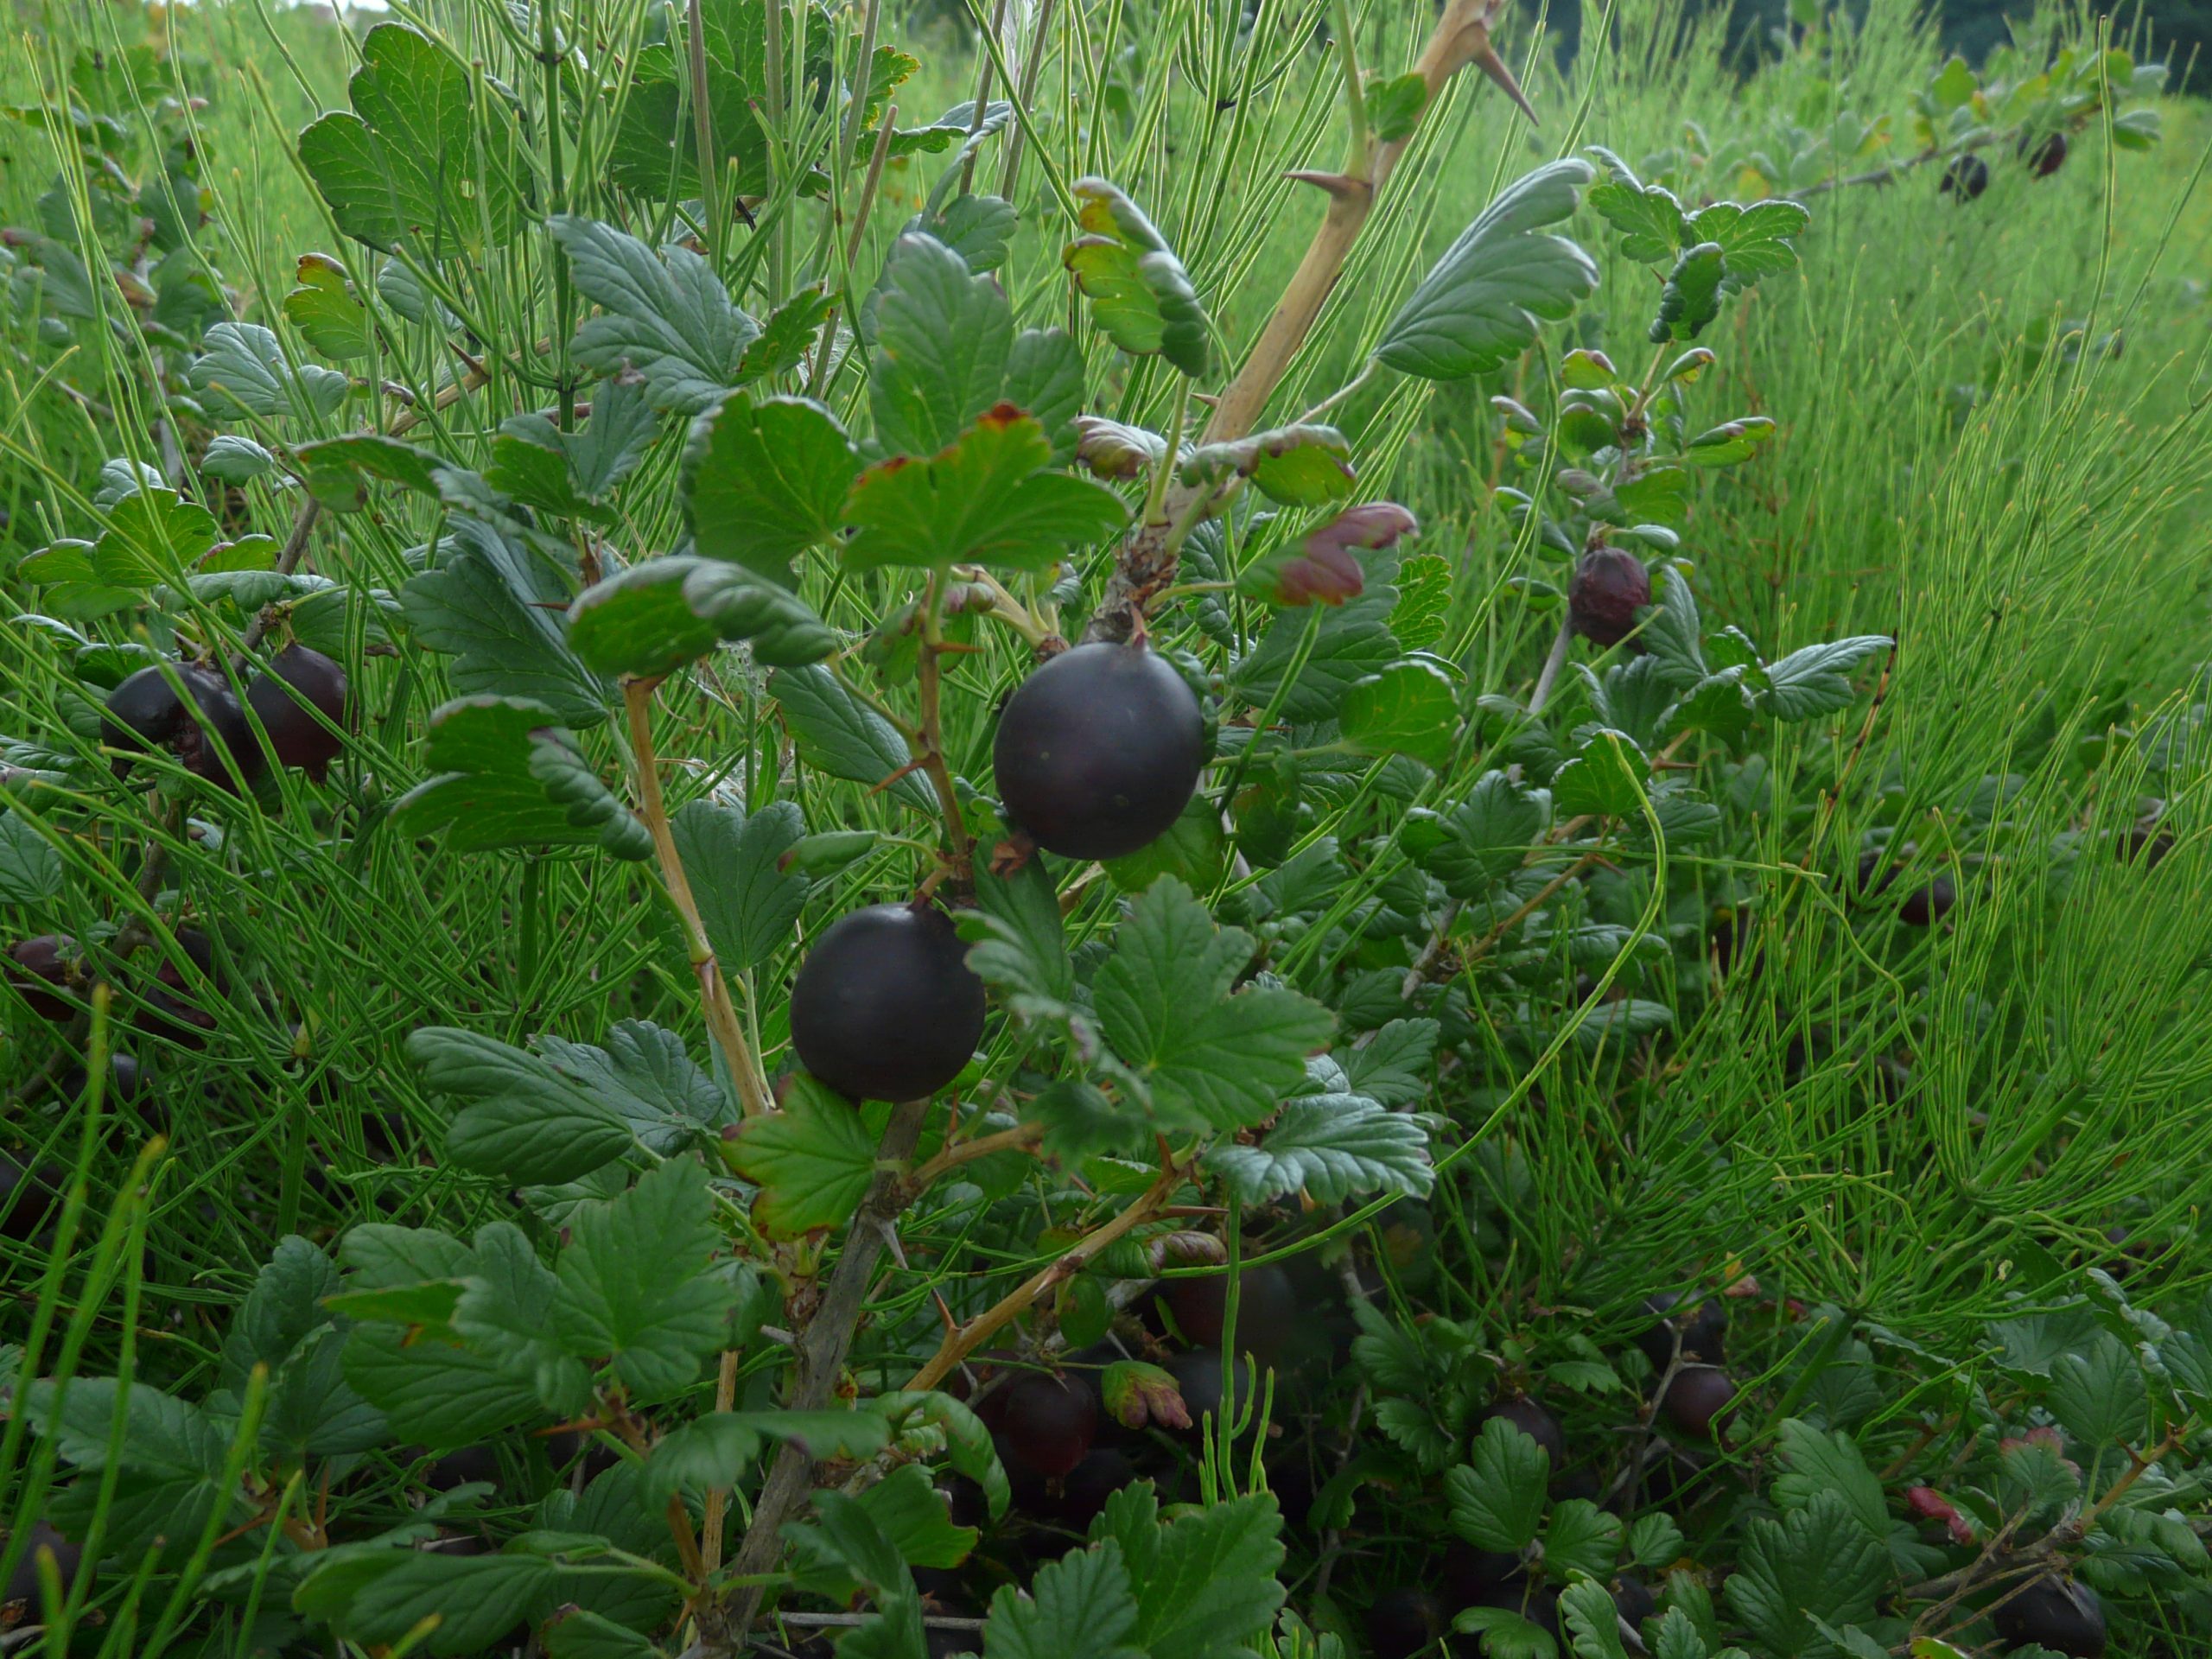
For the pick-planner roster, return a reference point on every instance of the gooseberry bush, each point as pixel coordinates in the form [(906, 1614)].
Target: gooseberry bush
[(1093, 929)]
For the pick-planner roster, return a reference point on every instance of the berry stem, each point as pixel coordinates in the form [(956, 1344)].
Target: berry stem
[(714, 991)]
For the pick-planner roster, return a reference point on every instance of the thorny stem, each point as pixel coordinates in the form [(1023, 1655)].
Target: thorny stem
[(819, 1359), (1147, 561), (714, 990), (931, 753), (1021, 1135), (718, 1497), (958, 1344), (1999, 1561)]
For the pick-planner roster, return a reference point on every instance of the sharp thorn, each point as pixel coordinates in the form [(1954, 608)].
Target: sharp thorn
[(1485, 59)]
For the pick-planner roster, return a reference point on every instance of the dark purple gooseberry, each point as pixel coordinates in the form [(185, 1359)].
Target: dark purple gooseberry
[(22, 1583), (1086, 1488), (1923, 906), (2146, 843), (1610, 586), (1695, 1398), (1197, 1378), (1633, 1600), (145, 712), (1701, 1332), (1532, 1419), (296, 736), (26, 1197), (1266, 1309), (2060, 1614), (885, 1008), (2045, 155), (39, 962), (1099, 751), (1966, 177), (170, 1010), (1049, 1421)]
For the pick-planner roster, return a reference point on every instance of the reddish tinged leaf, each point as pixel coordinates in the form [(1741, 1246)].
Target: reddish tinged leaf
[(2045, 1435), (1184, 1249), (1325, 572), (1113, 449), (1137, 1394), (1931, 1505)]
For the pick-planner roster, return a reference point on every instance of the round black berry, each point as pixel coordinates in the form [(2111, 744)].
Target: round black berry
[(2061, 1614), (1610, 586), (22, 1583), (1266, 1309), (26, 1197), (1966, 177), (1049, 1421), (1199, 1380), (37, 964), (170, 1010), (145, 712), (2145, 843), (1532, 1419), (296, 736), (1924, 907), (1633, 1600), (1099, 751), (1103, 1472), (1701, 1331), (1695, 1398), (883, 1006), (2045, 155)]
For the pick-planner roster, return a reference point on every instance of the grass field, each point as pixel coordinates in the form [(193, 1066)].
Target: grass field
[(1992, 447)]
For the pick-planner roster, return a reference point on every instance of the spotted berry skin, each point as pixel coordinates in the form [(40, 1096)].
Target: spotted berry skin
[(1610, 586)]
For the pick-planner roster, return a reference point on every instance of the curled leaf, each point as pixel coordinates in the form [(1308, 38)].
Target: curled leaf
[(1113, 449), (1323, 571), (1137, 1394), (1140, 293), (1298, 465)]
